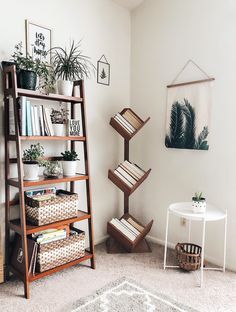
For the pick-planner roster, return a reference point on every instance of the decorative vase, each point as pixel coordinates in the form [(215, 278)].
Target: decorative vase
[(59, 129), (69, 167), (65, 87), (27, 79), (199, 206), (53, 170), (31, 171)]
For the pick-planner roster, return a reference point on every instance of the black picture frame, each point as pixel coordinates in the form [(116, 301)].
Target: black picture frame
[(103, 71)]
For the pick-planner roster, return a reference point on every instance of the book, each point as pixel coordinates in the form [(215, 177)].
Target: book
[(132, 119), (38, 192), (126, 129), (32, 120), (17, 255), (41, 120), (126, 175), (73, 127), (123, 179), (49, 236), (48, 121), (130, 226), (133, 168), (124, 123), (23, 115), (11, 117), (29, 129), (117, 224), (36, 120), (135, 224), (128, 124), (129, 172)]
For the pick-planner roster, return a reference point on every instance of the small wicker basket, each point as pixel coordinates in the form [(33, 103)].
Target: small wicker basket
[(52, 210), (60, 252), (188, 256)]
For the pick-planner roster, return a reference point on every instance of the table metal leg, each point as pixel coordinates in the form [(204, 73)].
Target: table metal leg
[(165, 252), (225, 237), (189, 231), (203, 251)]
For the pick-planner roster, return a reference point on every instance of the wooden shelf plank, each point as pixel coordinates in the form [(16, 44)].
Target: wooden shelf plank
[(30, 228), (43, 180), (53, 138), (37, 276), (49, 97)]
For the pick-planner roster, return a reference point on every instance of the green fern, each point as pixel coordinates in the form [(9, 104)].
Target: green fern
[(190, 129), (176, 137), (201, 142)]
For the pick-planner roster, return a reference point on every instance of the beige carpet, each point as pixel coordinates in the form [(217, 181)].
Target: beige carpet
[(56, 292)]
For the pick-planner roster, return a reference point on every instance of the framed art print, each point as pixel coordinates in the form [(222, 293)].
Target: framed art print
[(38, 41), (103, 71)]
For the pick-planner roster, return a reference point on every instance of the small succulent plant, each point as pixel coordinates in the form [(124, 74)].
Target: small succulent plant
[(70, 156)]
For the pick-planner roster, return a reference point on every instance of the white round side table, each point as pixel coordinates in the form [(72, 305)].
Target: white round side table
[(184, 210)]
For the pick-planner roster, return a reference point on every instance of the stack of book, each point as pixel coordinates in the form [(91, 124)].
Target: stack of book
[(129, 173), (129, 227), (35, 120), (129, 121), (51, 235)]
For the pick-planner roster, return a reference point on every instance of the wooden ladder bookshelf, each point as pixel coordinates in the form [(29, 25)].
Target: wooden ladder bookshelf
[(117, 242), (21, 226)]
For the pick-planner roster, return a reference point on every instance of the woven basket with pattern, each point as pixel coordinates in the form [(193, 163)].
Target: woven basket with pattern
[(60, 252), (52, 210), (188, 256)]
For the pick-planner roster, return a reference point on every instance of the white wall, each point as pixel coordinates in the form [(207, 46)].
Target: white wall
[(105, 29), (164, 35)]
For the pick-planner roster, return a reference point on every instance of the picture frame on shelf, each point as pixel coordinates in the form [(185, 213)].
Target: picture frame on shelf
[(73, 127), (38, 41), (103, 71)]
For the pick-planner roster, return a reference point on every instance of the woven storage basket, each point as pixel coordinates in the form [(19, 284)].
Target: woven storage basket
[(52, 210), (188, 256), (60, 252)]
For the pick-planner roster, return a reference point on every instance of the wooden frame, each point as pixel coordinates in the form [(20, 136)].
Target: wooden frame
[(21, 226), (103, 63), (27, 38)]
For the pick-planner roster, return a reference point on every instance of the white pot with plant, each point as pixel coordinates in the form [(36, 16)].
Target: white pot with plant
[(69, 163), (59, 118), (70, 66), (198, 203), (32, 159)]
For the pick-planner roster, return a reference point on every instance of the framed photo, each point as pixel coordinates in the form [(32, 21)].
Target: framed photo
[(38, 41), (103, 71)]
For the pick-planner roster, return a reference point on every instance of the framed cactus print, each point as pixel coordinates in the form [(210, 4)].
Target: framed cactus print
[(188, 115)]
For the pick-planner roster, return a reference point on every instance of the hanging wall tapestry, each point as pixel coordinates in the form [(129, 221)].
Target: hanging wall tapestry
[(188, 109), (38, 41), (103, 71)]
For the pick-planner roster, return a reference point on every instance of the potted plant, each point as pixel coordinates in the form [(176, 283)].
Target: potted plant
[(59, 118), (198, 203), (69, 66), (32, 159), (29, 69), (69, 162)]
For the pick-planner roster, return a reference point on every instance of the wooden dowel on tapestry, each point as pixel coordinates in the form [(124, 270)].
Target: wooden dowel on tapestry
[(190, 82)]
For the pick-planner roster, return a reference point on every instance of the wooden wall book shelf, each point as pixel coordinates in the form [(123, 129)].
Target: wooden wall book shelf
[(118, 242), (21, 226)]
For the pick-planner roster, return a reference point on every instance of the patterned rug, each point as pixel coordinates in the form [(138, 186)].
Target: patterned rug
[(124, 295)]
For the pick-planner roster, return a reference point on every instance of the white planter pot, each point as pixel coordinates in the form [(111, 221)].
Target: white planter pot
[(31, 172), (65, 87), (69, 167), (59, 129), (199, 206)]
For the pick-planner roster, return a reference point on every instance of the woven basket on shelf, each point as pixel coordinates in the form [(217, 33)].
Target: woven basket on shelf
[(59, 252), (52, 210), (188, 256)]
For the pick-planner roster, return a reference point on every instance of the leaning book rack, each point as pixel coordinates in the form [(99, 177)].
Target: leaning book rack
[(21, 225), (118, 242)]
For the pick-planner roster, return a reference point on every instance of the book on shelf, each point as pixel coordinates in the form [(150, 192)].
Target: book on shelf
[(130, 226), (36, 193), (123, 229), (23, 106), (126, 175), (132, 119), (123, 178), (129, 172), (135, 224), (134, 169), (123, 125), (48, 121), (125, 122), (48, 236)]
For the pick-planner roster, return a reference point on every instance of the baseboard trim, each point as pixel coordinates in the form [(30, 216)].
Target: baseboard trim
[(172, 246)]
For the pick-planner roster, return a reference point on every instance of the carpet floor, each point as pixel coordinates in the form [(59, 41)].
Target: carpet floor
[(56, 292)]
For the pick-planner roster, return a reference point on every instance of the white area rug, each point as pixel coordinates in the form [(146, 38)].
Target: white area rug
[(127, 296)]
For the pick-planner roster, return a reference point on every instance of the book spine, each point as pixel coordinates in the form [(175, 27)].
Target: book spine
[(134, 168), (131, 227), (122, 125), (29, 129), (123, 179), (128, 165), (134, 117), (122, 229), (136, 225), (23, 115), (133, 121), (129, 172), (53, 239), (126, 175), (128, 124), (124, 122), (32, 120), (36, 118), (41, 121)]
